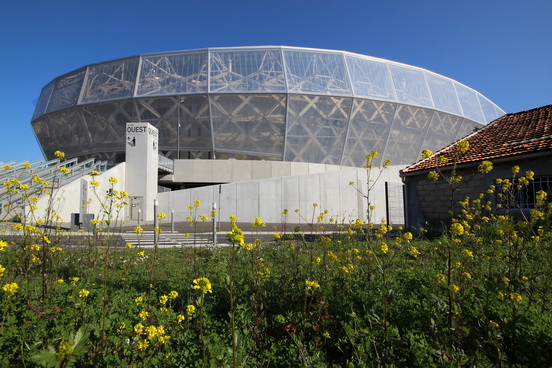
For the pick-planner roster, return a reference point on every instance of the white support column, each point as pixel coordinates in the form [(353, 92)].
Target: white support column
[(142, 161)]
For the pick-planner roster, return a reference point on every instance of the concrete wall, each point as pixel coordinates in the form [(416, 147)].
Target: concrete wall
[(428, 202), (66, 199), (230, 171), (267, 198)]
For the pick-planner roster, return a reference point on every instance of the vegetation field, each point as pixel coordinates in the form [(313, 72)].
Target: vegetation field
[(359, 295)]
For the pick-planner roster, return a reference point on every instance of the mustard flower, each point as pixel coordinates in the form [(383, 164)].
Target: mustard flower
[(163, 299), (197, 203), (515, 169), (426, 154), (84, 293), (316, 260), (468, 275), (64, 170), (94, 173), (515, 297), (455, 288), (541, 195), (456, 229), (348, 268), (10, 288), (311, 285), (163, 339), (152, 332), (161, 216), (138, 328), (129, 245), (173, 295), (121, 326), (138, 300), (440, 277), (467, 253), (141, 253), (60, 281), (113, 180), (143, 344), (7, 167), (277, 236), (3, 245), (59, 155), (235, 236), (203, 284), (258, 223), (462, 146), (2, 270), (530, 175), (485, 167), (433, 175), (412, 251), (384, 248), (180, 318), (190, 310), (143, 315), (326, 335)]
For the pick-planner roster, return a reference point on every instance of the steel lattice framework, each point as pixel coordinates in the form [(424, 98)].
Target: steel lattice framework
[(271, 103)]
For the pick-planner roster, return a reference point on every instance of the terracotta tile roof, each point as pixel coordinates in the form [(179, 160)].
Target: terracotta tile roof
[(510, 135)]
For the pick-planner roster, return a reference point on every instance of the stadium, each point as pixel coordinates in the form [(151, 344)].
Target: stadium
[(260, 103), (259, 129)]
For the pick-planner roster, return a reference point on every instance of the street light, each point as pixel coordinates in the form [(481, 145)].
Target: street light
[(178, 128)]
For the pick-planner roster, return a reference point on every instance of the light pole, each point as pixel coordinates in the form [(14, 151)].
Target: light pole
[(178, 128)]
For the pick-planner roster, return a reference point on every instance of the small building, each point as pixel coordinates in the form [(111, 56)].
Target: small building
[(521, 139)]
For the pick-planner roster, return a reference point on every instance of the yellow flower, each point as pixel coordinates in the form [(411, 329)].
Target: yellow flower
[(384, 248), (113, 180), (440, 277), (316, 260), (138, 328), (94, 173), (59, 155), (530, 175), (143, 344), (3, 245), (60, 281), (494, 324), (326, 335), (10, 288), (348, 268), (433, 175), (64, 170), (173, 295), (121, 326), (2, 270), (235, 236), (413, 252), (455, 288), (258, 223), (163, 339), (456, 229), (485, 167), (94, 183), (426, 154), (467, 253), (203, 284), (310, 285), (84, 293), (190, 310), (163, 299), (462, 146), (515, 169), (180, 318), (143, 315), (161, 216), (515, 297), (141, 253), (129, 245), (277, 236), (197, 203), (468, 275)]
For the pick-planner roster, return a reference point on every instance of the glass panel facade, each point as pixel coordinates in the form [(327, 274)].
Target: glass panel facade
[(443, 130), (43, 100), (370, 79), (316, 72), (488, 109), (368, 130), (470, 103), (316, 128), (410, 85), (443, 93), (409, 128), (66, 92), (173, 74), (249, 123), (110, 81), (247, 71), (195, 127)]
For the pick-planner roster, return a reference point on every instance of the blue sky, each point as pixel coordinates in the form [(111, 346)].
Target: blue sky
[(502, 49)]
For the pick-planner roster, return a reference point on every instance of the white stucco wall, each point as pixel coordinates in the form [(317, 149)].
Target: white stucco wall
[(267, 198)]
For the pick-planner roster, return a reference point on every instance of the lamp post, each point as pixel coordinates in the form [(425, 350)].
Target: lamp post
[(178, 128)]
